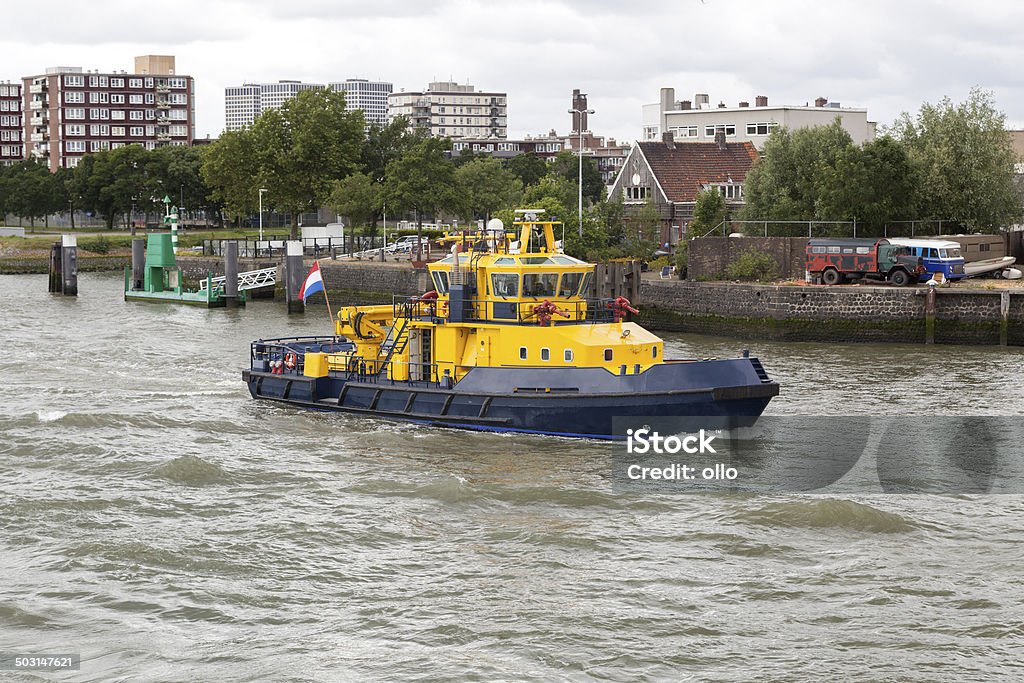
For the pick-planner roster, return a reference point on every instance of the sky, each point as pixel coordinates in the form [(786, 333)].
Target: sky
[(883, 55)]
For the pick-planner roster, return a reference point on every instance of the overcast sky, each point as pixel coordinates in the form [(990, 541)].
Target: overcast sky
[(886, 56)]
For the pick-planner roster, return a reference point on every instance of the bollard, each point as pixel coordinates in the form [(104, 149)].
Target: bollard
[(138, 264), (69, 265), (231, 274), (294, 276)]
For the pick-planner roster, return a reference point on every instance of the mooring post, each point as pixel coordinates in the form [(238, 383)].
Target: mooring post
[(231, 273), (929, 315), (294, 276), (69, 265), (138, 264), (55, 261), (1004, 323)]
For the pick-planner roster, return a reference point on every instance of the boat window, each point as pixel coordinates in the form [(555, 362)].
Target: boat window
[(564, 260), (570, 284), (545, 354), (505, 284), (636, 369), (505, 261), (607, 354), (585, 287), (522, 353), (654, 352), (440, 281), (539, 284), (535, 260), (568, 355)]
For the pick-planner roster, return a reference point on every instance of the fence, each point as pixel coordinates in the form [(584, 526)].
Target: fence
[(274, 245), (923, 228)]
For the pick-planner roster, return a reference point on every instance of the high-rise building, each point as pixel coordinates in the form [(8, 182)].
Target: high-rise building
[(242, 104), (369, 96), (69, 112), (11, 125), (451, 110)]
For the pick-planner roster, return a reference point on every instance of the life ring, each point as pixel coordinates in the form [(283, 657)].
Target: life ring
[(289, 361)]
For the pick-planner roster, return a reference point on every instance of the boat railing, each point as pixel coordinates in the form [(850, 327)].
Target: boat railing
[(501, 310), (262, 352), (387, 371)]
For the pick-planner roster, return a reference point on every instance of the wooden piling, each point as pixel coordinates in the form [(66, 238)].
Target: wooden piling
[(1004, 322), (929, 316)]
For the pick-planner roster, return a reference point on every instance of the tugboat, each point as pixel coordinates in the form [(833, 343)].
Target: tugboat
[(506, 341)]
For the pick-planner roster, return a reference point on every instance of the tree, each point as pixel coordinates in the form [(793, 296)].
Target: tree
[(964, 159), (422, 180), (34, 191), (358, 197), (229, 169), (485, 187), (529, 167), (304, 147), (708, 212), (566, 164)]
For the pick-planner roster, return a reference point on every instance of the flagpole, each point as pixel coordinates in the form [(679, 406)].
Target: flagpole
[(329, 314)]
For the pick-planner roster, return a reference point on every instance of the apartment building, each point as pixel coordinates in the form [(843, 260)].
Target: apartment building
[(69, 112), (698, 121), (447, 109), (11, 126)]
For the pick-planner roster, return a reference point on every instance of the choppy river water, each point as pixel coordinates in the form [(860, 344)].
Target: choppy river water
[(160, 523)]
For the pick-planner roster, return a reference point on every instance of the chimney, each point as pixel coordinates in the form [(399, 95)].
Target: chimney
[(820, 102), (669, 139), (701, 101), (686, 105), (579, 103), (720, 138), (744, 104), (668, 96), (721, 105), (761, 101)]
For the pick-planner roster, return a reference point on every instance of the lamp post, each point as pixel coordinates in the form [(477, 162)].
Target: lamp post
[(579, 125), (261, 213)]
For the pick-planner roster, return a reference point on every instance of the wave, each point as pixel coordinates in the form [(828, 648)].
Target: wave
[(828, 513), (50, 415), (191, 470)]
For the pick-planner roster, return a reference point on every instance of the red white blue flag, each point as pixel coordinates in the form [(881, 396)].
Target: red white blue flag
[(314, 282)]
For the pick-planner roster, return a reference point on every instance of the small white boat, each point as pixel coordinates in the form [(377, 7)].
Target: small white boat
[(992, 265)]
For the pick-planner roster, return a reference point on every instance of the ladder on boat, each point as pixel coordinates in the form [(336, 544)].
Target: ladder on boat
[(395, 342), (252, 279)]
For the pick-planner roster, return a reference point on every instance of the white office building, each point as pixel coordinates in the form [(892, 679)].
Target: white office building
[(369, 96), (454, 111)]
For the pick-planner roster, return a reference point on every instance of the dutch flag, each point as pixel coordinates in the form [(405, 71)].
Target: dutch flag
[(314, 282)]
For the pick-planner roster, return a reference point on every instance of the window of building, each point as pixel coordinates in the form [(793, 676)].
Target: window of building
[(135, 99), (149, 81), (116, 82), (117, 131), (74, 113), (683, 131), (181, 98), (117, 99), (136, 131), (176, 82), (135, 114), (74, 97), (94, 81), (74, 80), (178, 115), (74, 145), (74, 129), (134, 82), (638, 193), (728, 128), (731, 191), (117, 114), (763, 128)]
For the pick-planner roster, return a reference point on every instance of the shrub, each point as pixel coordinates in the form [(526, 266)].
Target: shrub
[(752, 264), (100, 245)]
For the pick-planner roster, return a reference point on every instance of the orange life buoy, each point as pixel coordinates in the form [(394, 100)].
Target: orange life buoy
[(289, 361)]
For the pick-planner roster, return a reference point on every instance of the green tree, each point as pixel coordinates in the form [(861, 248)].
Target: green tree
[(485, 187), (708, 212), (529, 167), (304, 147), (964, 159), (357, 197), (566, 164), (229, 168), (33, 191), (422, 180)]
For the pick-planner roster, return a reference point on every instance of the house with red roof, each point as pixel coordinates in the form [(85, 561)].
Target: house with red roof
[(671, 174)]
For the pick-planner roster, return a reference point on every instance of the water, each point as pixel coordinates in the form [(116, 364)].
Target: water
[(164, 525)]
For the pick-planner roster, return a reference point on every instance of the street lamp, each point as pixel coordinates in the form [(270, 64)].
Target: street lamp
[(261, 213), (579, 124)]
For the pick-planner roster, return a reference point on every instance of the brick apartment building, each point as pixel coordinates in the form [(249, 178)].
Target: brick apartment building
[(68, 112), (11, 126)]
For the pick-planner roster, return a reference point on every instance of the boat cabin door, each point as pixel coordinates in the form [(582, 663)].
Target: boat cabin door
[(420, 355)]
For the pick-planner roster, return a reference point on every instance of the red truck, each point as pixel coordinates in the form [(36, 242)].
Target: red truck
[(835, 260)]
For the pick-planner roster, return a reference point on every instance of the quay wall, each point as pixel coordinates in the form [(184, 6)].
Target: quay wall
[(820, 313)]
